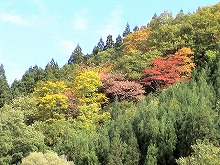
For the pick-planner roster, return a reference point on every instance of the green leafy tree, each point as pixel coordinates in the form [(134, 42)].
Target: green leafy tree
[(95, 50), (48, 158), (28, 83), (204, 152), (116, 149), (28, 106), (99, 47), (132, 65), (17, 139), (55, 130)]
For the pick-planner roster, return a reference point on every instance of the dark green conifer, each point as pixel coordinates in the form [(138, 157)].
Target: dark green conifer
[(127, 30), (77, 56), (135, 28), (5, 94), (154, 16), (119, 41), (101, 44), (109, 43)]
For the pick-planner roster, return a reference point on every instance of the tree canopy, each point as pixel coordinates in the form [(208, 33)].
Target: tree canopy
[(149, 96)]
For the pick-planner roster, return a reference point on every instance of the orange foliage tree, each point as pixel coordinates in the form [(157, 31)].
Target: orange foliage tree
[(136, 42), (186, 55)]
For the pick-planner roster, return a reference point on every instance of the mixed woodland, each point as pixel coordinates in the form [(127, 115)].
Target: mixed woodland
[(150, 96)]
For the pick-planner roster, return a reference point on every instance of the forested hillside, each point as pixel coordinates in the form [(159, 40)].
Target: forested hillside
[(150, 96)]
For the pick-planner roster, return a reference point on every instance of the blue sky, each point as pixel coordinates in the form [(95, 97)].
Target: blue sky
[(35, 31)]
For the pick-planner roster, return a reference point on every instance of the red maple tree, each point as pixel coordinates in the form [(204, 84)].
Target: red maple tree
[(164, 72)]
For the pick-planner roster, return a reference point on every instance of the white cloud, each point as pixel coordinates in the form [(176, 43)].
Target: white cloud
[(80, 21), (12, 18), (113, 24), (66, 47)]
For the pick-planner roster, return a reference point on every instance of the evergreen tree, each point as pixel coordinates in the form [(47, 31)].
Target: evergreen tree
[(127, 30), (119, 41), (154, 16), (123, 142), (116, 149), (80, 147), (135, 28), (28, 83), (101, 44), (99, 47), (77, 56), (95, 50), (151, 158), (17, 88), (109, 43), (216, 76), (52, 71), (37, 73), (5, 94)]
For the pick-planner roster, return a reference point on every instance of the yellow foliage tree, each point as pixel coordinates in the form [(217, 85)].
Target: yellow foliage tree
[(86, 87), (52, 103)]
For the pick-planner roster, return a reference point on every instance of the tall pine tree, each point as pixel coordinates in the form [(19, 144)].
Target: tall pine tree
[(5, 93), (77, 56), (101, 44), (119, 41), (135, 28), (109, 43), (127, 30)]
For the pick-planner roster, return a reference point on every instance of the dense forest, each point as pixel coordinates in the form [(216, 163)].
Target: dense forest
[(151, 96)]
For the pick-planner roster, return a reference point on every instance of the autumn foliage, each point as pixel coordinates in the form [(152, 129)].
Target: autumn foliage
[(136, 42), (167, 70), (86, 89), (186, 55), (52, 103), (117, 86)]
